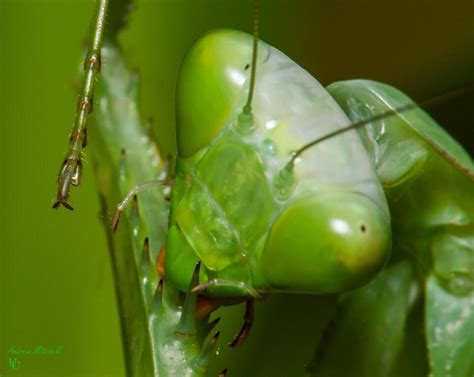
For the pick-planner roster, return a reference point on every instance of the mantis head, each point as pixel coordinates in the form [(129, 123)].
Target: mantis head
[(335, 239)]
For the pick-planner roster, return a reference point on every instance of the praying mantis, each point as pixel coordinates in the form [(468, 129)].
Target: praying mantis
[(73, 172)]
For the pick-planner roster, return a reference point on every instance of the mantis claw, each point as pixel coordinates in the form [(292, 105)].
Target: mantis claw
[(61, 201), (116, 219), (158, 295), (63, 194), (187, 322), (245, 329), (208, 351), (70, 174), (213, 324)]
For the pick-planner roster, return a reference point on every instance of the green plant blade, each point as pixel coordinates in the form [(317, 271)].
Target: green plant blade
[(107, 142), (412, 359), (367, 333), (450, 331), (124, 156)]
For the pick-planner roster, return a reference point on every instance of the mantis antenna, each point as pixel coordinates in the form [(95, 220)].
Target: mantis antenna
[(286, 173), (245, 122)]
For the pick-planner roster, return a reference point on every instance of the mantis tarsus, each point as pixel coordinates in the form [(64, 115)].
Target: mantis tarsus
[(73, 172)]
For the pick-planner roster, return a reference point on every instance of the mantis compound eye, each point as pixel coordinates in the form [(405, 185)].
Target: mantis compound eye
[(216, 70), (326, 243)]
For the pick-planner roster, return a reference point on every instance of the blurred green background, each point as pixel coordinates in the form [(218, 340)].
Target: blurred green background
[(55, 277)]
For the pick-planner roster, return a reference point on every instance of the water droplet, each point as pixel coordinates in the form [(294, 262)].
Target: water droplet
[(460, 284), (271, 124), (245, 124), (284, 182), (448, 367), (269, 147)]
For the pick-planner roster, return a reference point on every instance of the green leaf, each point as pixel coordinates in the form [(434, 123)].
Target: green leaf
[(367, 334), (450, 331), (124, 155), (413, 357), (116, 126)]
